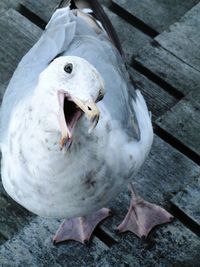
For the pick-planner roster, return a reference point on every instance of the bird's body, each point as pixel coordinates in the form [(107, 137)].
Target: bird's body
[(86, 175)]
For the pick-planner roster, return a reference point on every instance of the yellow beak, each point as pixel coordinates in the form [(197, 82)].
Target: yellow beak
[(91, 111)]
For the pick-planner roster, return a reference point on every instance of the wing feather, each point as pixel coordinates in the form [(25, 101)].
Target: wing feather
[(99, 14)]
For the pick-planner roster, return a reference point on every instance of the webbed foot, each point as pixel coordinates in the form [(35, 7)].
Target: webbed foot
[(81, 228), (143, 216)]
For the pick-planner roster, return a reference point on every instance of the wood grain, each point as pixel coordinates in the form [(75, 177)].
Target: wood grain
[(165, 66), (182, 122), (157, 14), (17, 35), (183, 38)]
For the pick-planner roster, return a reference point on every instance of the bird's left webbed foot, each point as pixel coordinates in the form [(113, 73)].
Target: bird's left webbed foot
[(81, 228), (143, 216)]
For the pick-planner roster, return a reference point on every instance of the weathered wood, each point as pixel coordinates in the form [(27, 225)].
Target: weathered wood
[(188, 200), (131, 39), (10, 3), (43, 9), (12, 216), (17, 34), (155, 60), (172, 245), (195, 95), (33, 247), (183, 38), (158, 14), (158, 100), (174, 248), (182, 122)]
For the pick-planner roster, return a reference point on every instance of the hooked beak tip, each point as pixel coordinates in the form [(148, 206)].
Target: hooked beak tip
[(94, 122), (91, 111)]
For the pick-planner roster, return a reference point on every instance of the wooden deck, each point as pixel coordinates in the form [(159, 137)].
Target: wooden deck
[(161, 39)]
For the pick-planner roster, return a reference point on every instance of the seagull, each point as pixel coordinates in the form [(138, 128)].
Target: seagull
[(74, 131)]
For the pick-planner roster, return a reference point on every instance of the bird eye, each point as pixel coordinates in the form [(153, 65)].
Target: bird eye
[(68, 68), (100, 96)]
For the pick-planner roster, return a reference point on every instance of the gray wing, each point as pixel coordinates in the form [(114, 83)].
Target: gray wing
[(96, 12)]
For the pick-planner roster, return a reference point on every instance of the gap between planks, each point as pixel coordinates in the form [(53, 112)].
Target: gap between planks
[(31, 16), (134, 21), (107, 239), (168, 138), (184, 219), (157, 80)]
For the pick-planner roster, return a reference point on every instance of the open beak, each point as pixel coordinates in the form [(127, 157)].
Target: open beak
[(70, 111), (91, 111)]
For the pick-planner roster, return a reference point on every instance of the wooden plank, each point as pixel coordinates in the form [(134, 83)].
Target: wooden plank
[(43, 9), (154, 60), (182, 122), (195, 95), (33, 247), (25, 34), (10, 3), (183, 38), (158, 14), (131, 39), (174, 245), (158, 100), (12, 216), (188, 200)]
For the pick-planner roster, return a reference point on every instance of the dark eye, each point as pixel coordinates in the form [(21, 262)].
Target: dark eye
[(100, 96), (68, 68)]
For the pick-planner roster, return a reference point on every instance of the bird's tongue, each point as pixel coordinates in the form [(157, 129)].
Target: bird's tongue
[(72, 114)]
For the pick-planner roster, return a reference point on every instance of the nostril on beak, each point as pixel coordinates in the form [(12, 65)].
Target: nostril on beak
[(89, 108)]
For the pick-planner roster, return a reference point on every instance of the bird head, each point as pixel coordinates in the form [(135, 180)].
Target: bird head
[(78, 86)]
